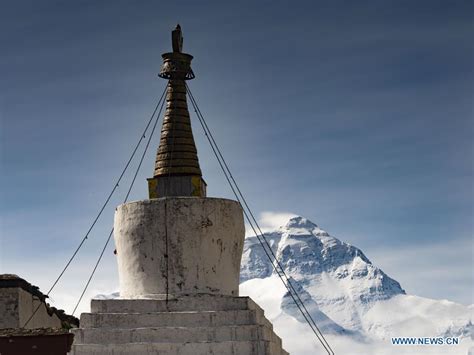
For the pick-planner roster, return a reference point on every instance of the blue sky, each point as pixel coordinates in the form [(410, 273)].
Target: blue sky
[(356, 115)]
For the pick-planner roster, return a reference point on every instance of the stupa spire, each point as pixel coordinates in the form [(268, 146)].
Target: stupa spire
[(177, 171)]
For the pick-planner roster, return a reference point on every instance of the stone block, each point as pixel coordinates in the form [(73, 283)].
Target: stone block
[(182, 304), (175, 334), (171, 319)]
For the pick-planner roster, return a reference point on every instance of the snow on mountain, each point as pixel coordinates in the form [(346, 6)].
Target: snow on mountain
[(107, 296), (354, 302)]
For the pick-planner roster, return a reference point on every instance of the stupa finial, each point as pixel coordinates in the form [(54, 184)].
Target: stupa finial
[(177, 39), (177, 170), (176, 64)]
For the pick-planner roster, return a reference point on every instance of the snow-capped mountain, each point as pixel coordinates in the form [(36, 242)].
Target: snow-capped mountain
[(354, 302)]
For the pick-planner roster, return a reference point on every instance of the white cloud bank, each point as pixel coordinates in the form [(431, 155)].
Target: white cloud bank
[(404, 316), (269, 221)]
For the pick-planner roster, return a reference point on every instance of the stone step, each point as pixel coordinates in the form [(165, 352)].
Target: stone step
[(174, 334), (173, 319), (202, 348), (182, 304)]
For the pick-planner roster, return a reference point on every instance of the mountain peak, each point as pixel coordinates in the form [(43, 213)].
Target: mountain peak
[(342, 290), (307, 252), (300, 222)]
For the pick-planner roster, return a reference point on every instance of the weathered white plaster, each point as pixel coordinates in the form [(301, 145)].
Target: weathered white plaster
[(179, 245), (27, 305), (17, 306), (9, 311)]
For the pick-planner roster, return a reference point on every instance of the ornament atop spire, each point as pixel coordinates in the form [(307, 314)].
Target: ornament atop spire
[(177, 39), (176, 64)]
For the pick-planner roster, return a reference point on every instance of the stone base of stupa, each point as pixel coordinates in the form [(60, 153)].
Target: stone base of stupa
[(194, 325)]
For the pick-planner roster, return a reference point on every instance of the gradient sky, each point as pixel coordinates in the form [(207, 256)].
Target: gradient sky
[(355, 114)]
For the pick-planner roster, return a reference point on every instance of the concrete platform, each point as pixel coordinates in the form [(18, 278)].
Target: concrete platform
[(204, 348), (176, 334), (200, 324), (199, 302), (171, 319)]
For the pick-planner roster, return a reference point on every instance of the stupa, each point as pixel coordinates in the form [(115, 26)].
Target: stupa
[(178, 256)]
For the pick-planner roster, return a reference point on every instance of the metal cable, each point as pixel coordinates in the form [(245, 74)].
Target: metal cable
[(101, 210), (124, 201), (260, 236)]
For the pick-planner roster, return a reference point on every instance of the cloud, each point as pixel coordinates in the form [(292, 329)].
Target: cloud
[(299, 339), (270, 221)]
